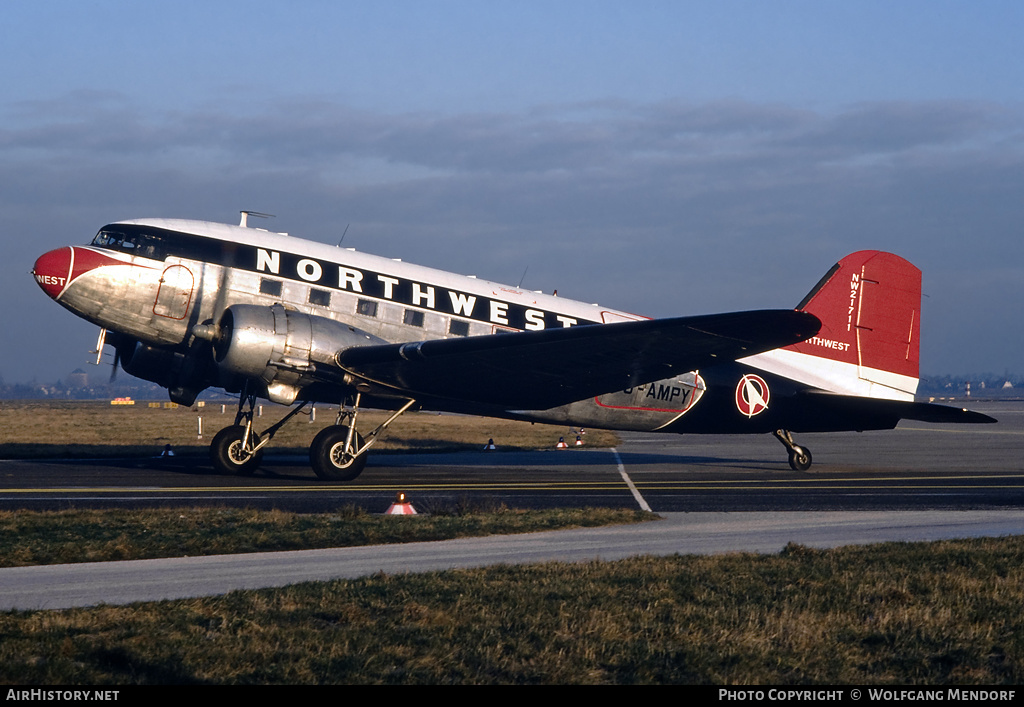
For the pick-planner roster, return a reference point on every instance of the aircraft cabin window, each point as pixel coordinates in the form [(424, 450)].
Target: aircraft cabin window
[(319, 297), (458, 328), (368, 308), (270, 287), (413, 318)]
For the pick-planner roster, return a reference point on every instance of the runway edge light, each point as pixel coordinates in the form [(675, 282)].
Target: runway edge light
[(401, 506)]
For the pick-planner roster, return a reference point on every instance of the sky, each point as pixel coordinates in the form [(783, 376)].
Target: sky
[(666, 158)]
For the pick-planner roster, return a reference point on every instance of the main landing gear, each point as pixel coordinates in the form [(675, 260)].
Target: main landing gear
[(238, 450), (799, 457), (338, 452)]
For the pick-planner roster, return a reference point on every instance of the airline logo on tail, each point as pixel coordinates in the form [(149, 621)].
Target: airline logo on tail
[(829, 343), (752, 395)]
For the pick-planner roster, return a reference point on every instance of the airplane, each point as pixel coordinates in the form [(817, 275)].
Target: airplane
[(191, 305)]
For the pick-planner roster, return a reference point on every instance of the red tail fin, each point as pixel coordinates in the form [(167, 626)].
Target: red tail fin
[(869, 304)]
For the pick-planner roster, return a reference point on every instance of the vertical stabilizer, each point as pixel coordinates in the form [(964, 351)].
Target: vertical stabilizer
[(869, 304)]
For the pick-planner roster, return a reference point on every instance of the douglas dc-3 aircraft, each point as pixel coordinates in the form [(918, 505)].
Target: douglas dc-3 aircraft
[(191, 304)]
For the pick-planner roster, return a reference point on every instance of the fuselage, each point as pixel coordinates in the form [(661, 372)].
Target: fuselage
[(161, 286), (152, 281)]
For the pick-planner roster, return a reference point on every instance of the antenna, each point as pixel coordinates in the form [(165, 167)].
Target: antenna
[(520, 285), (244, 223), (343, 234)]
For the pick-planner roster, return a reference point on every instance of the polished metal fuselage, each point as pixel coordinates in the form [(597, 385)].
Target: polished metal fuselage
[(160, 302)]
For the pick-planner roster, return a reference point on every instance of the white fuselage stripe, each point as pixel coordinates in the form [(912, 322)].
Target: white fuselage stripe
[(834, 376)]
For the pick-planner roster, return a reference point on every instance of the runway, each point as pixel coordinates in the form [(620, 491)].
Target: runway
[(915, 467)]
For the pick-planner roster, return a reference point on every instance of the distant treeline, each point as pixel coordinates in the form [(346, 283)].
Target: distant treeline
[(123, 386), (981, 385)]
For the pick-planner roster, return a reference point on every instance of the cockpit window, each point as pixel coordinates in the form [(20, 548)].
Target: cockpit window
[(146, 245), (108, 239)]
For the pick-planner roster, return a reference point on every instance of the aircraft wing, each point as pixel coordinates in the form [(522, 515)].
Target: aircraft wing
[(543, 369)]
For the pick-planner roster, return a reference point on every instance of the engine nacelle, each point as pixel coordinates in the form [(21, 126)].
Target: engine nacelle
[(151, 363), (183, 374), (281, 347)]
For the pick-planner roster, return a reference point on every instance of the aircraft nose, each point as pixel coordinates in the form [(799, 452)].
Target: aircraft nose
[(53, 271)]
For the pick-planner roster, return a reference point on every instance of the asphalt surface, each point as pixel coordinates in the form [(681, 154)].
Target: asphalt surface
[(915, 467)]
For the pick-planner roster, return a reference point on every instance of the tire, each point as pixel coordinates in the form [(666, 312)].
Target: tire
[(227, 455), (800, 459), (327, 457)]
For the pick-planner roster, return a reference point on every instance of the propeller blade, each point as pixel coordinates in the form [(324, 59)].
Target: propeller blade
[(117, 362)]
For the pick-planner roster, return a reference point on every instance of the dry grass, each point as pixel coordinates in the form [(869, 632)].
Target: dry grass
[(925, 614), (97, 429)]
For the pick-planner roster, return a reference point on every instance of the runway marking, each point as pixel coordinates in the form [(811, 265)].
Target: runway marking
[(518, 486), (945, 482), (629, 482), (854, 479), (958, 431), (796, 485)]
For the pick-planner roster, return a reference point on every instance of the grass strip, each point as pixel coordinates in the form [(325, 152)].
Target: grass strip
[(54, 537), (898, 613)]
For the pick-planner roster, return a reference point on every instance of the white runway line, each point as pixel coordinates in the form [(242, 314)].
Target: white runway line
[(629, 482)]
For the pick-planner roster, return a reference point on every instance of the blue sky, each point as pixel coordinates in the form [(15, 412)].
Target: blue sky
[(662, 157)]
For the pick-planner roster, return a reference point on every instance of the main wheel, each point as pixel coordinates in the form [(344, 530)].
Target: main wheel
[(328, 457), (800, 459), (229, 456)]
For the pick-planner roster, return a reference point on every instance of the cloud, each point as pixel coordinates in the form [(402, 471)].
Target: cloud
[(662, 208)]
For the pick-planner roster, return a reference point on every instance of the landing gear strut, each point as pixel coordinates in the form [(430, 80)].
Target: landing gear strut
[(238, 450), (799, 457), (338, 452)]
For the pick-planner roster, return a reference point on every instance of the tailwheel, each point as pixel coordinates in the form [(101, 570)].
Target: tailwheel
[(333, 453), (231, 455), (800, 459)]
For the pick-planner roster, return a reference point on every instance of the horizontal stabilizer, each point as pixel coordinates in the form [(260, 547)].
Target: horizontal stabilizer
[(929, 412), (826, 412), (537, 370)]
